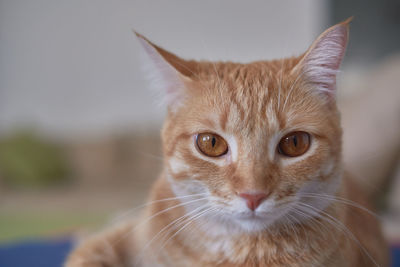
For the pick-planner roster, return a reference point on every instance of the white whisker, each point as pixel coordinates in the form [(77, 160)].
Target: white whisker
[(292, 88), (155, 215), (190, 220), (280, 84), (131, 211), (341, 200), (340, 226), (182, 218)]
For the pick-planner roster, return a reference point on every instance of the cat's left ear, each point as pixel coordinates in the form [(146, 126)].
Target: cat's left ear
[(321, 62), (169, 74)]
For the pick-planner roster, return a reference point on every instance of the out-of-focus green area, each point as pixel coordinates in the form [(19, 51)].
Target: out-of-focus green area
[(66, 187), (16, 225), (28, 161)]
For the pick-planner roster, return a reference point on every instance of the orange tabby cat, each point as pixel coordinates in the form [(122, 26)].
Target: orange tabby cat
[(252, 170)]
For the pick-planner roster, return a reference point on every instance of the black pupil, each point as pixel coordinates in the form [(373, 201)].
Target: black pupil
[(213, 141), (295, 140)]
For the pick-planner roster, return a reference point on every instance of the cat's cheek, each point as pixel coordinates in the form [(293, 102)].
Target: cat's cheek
[(232, 154), (327, 169), (187, 186), (177, 166), (327, 164), (316, 187)]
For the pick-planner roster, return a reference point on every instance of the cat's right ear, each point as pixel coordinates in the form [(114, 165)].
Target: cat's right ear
[(168, 74)]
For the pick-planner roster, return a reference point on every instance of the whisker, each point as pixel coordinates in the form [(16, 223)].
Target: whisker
[(291, 224), (146, 154), (292, 87), (190, 220), (182, 218), (129, 212), (311, 222), (341, 200), (155, 215), (280, 84), (301, 225), (318, 223), (311, 219), (170, 208), (342, 227)]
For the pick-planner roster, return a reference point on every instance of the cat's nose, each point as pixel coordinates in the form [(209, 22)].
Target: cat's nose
[(253, 200)]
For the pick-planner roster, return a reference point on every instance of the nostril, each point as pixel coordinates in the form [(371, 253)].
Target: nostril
[(253, 200)]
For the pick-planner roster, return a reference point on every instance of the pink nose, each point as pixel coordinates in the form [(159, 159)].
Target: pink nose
[(253, 200)]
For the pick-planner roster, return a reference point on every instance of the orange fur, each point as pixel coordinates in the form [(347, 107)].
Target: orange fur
[(252, 106)]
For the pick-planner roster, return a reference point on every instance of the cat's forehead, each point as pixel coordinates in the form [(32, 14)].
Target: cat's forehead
[(252, 84), (254, 97), (254, 75)]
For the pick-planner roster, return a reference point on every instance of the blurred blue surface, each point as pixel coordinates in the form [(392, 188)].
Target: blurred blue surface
[(396, 256), (42, 253), (52, 253)]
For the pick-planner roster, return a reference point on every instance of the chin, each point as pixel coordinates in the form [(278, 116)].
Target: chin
[(249, 223), (253, 225)]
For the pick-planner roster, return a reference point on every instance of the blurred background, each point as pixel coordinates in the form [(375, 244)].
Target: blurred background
[(79, 127)]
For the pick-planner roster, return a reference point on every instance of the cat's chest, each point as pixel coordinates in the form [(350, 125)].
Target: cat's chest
[(229, 252)]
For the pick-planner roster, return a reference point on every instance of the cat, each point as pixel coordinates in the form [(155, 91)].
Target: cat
[(252, 172)]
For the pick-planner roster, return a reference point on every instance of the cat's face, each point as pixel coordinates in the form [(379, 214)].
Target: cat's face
[(255, 138)]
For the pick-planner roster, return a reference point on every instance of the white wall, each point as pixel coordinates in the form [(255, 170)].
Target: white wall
[(72, 67)]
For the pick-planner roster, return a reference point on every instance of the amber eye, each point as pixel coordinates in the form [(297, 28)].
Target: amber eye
[(211, 145), (294, 144)]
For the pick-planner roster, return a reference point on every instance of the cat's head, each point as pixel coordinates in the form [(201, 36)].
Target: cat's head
[(252, 140)]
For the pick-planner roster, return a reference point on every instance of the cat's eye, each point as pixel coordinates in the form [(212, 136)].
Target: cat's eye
[(294, 144), (211, 145)]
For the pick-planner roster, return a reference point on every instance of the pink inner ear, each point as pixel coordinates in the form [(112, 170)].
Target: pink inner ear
[(322, 62), (163, 77)]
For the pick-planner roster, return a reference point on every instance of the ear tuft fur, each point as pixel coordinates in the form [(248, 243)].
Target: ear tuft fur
[(322, 60), (163, 75)]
